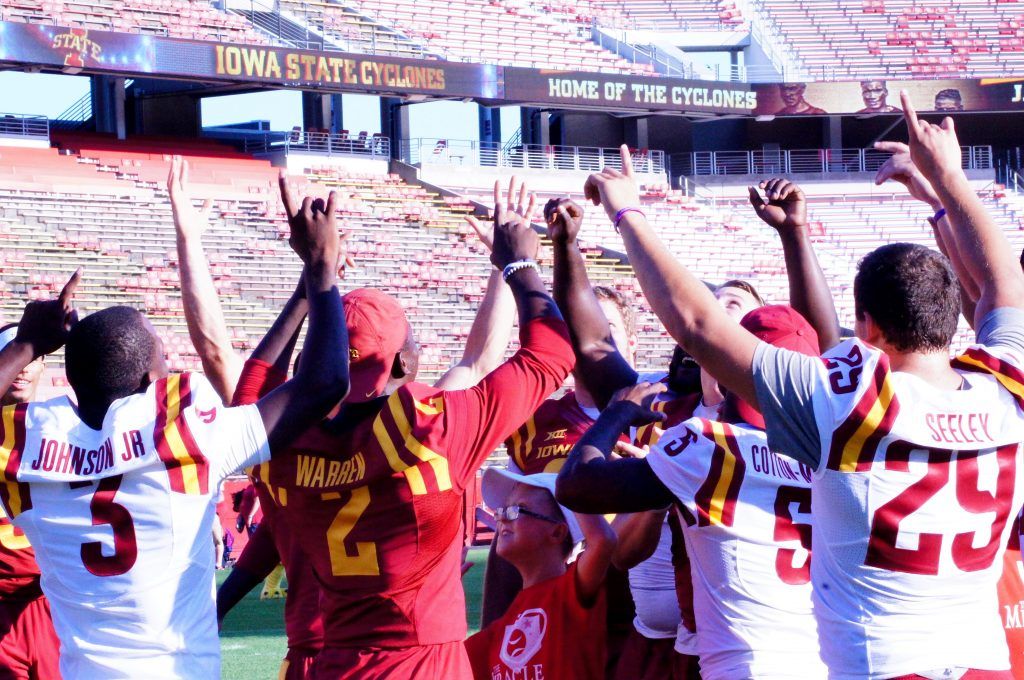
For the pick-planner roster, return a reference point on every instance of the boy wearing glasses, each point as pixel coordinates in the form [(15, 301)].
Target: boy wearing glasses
[(557, 625)]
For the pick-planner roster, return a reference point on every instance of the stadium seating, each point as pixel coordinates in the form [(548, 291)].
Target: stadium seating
[(496, 32), (841, 40), (689, 15), (101, 204), (192, 19)]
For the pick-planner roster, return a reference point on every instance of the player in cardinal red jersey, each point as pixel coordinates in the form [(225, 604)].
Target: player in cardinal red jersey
[(1011, 601), (917, 462), (747, 516), (28, 644), (375, 494)]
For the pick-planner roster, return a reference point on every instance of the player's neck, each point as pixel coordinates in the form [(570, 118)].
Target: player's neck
[(931, 367), (540, 569)]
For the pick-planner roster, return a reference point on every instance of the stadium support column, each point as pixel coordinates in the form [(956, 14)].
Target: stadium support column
[(636, 133), (107, 95), (490, 125), (536, 126), (834, 132), (317, 111), (394, 123)]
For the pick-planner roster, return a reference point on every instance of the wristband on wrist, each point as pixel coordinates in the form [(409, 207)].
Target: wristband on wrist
[(512, 267), (939, 214), (625, 211)]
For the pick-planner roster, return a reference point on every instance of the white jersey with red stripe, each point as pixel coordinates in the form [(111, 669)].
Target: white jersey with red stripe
[(747, 525), (121, 520), (915, 491)]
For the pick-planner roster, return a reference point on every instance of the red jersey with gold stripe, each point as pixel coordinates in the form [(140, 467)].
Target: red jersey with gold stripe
[(375, 499), (19, 573), (121, 519), (544, 441), (748, 546), (275, 541), (915, 494)]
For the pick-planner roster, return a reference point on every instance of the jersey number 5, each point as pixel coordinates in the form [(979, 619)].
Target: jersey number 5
[(106, 511), (788, 530), (364, 561)]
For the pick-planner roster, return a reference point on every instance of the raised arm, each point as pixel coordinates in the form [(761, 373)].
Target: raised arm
[(592, 565), (601, 365), (43, 329), (322, 377), (683, 304), (986, 253), (491, 330), (784, 209), (203, 314), (900, 168), (591, 482)]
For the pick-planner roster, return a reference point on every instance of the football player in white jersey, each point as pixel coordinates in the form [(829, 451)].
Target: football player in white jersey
[(117, 488), (745, 511), (917, 462)]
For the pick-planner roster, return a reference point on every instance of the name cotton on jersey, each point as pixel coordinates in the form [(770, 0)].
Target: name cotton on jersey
[(120, 519)]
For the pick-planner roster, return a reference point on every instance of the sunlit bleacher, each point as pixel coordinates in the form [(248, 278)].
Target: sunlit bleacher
[(837, 39), (191, 19), (691, 15), (101, 204)]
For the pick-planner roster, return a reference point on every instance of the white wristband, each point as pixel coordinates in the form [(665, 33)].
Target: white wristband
[(512, 267)]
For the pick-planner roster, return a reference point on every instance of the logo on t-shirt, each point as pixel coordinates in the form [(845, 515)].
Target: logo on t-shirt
[(556, 434), (523, 639)]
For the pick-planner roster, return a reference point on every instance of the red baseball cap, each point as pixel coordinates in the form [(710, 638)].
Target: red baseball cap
[(377, 331), (780, 326)]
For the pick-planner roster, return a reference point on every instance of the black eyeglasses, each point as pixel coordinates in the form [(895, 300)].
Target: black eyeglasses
[(512, 513)]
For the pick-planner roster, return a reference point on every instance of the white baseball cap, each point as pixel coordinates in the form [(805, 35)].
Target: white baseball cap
[(498, 482)]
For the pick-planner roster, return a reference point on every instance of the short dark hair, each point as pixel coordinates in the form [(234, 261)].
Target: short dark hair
[(108, 353), (949, 93), (625, 309), (911, 293), (744, 285)]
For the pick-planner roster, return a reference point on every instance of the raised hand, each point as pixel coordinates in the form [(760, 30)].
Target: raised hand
[(314, 232), (900, 168), (934, 149), (514, 239), (613, 189), (638, 399), (564, 219), (784, 206), (45, 325), (188, 221)]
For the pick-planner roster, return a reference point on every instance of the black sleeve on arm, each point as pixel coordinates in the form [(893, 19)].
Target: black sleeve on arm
[(322, 379), (602, 368), (592, 484)]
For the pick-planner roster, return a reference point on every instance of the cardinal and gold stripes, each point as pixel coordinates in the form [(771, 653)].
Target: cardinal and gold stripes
[(186, 466), (855, 441), (716, 497), (425, 470), (15, 495)]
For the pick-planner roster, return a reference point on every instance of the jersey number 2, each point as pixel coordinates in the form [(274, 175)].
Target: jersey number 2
[(364, 562), (106, 511)]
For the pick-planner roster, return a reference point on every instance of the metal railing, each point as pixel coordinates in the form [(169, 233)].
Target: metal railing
[(20, 125), (321, 143), (527, 156), (803, 161)]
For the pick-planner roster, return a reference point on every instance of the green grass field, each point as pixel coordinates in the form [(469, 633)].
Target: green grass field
[(252, 640)]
